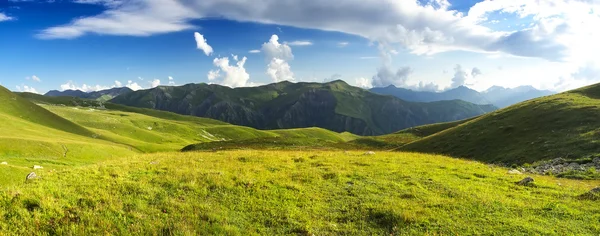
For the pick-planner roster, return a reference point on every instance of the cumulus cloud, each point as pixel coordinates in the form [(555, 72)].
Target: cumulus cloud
[(27, 89), (279, 70), (202, 44), (463, 77), (155, 83), (385, 76), (343, 44), (171, 81), (277, 55), (273, 49), (233, 75), (70, 85), (133, 85), (254, 51), (460, 76), (363, 83)]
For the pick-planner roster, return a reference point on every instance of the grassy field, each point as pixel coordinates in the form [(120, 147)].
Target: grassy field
[(565, 125), (296, 192)]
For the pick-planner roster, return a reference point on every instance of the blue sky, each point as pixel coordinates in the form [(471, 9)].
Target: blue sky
[(422, 45)]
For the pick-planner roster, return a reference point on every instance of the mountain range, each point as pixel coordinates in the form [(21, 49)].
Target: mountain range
[(498, 96), (336, 106), (102, 95)]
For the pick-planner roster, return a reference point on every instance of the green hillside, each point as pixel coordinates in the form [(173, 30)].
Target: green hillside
[(31, 135), (336, 106), (296, 193), (565, 126)]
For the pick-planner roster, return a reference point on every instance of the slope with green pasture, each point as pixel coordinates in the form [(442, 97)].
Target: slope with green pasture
[(565, 125), (153, 130), (296, 193), (31, 135)]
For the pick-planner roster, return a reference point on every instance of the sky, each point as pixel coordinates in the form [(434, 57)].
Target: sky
[(429, 45)]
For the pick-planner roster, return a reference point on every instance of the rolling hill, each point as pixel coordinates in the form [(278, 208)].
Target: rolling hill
[(153, 130), (336, 106), (498, 96), (565, 126), (32, 135)]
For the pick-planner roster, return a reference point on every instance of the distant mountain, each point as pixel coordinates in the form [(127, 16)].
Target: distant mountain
[(460, 93), (496, 95), (335, 106), (102, 95), (503, 97)]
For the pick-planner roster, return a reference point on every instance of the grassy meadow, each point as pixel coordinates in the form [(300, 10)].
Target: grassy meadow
[(116, 170), (296, 192)]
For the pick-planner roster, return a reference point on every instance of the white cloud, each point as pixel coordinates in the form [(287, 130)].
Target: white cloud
[(385, 76), (155, 83), (132, 18), (4, 17), (34, 78), (27, 89), (107, 3), (279, 70), (202, 44), (300, 43), (70, 85), (171, 81), (277, 55), (234, 75), (423, 27), (273, 49), (363, 83), (213, 75), (133, 85), (254, 51), (343, 44)]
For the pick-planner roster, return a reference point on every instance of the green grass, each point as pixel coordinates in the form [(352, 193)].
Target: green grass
[(32, 135), (565, 125), (296, 192)]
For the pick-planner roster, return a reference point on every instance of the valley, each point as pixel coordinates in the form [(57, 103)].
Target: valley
[(105, 168)]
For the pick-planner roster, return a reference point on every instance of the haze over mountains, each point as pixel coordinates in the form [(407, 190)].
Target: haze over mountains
[(498, 96)]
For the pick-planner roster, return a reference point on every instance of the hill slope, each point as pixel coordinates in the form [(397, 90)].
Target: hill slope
[(31, 135), (565, 125), (153, 130), (336, 106)]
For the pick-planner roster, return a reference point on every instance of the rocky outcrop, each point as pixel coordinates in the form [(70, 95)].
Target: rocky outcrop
[(560, 165)]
